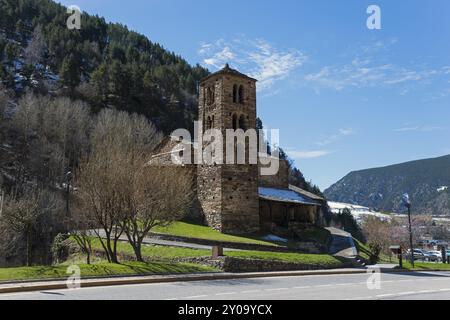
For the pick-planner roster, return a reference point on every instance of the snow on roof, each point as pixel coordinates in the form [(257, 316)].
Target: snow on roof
[(284, 195)]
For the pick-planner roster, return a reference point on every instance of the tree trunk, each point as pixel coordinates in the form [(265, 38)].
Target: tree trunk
[(137, 247), (29, 257)]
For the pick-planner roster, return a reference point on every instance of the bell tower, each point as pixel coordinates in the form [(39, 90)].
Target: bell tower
[(228, 193)]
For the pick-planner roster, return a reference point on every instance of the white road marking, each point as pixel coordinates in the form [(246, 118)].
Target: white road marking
[(250, 291), (225, 293), (277, 289), (195, 297)]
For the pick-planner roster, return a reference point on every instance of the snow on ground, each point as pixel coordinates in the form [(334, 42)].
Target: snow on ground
[(442, 189), (272, 237), (359, 212)]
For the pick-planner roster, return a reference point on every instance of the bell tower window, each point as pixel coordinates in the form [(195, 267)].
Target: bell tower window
[(235, 93), (235, 122), (209, 96), (241, 94), (242, 122)]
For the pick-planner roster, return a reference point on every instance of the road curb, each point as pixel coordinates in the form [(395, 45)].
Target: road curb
[(60, 285)]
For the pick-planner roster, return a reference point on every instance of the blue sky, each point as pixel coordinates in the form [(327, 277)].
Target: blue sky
[(344, 97)]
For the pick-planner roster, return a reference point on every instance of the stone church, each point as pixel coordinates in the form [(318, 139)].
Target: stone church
[(236, 198)]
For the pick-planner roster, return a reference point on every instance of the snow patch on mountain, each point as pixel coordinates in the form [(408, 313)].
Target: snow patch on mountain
[(358, 212), (442, 189)]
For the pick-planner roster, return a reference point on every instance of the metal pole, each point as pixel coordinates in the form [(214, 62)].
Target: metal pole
[(2, 196), (67, 198), (68, 180), (411, 236)]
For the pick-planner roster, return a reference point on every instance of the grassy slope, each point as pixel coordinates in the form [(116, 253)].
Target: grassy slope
[(161, 257), (100, 269), (364, 252), (422, 266), (159, 252), (184, 229)]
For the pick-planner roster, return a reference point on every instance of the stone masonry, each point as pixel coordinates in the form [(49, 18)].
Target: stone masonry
[(228, 194)]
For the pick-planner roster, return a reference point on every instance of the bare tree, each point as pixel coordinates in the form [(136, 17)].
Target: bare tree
[(377, 233), (35, 50), (52, 136), (106, 177), (81, 224), (24, 214), (159, 195)]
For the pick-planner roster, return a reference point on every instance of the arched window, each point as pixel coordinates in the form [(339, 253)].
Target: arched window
[(208, 123), (242, 122), (235, 122), (241, 94), (209, 96), (235, 93)]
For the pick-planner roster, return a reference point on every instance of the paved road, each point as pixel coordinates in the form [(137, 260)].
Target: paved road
[(169, 243), (333, 287)]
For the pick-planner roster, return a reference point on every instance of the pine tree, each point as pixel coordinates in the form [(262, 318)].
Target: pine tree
[(69, 73)]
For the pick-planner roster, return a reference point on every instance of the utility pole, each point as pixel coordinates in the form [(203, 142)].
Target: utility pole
[(68, 180), (407, 203), (2, 195)]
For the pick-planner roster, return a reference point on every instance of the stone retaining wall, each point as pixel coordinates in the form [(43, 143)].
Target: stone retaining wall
[(231, 264)]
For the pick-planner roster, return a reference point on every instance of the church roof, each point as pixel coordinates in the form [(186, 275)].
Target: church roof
[(227, 70), (285, 195), (306, 193)]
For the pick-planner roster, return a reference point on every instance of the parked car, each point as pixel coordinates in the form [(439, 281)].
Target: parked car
[(418, 254), (435, 256)]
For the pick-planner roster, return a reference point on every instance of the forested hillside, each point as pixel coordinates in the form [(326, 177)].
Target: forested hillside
[(74, 97), (427, 182), (102, 63)]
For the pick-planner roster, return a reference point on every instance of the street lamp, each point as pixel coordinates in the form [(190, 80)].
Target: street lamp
[(68, 180), (407, 203)]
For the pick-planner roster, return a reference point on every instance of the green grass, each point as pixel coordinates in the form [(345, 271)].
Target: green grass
[(101, 269), (153, 252), (423, 266), (185, 229), (309, 259), (365, 252)]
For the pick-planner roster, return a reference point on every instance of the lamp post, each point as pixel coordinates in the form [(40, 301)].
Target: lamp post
[(68, 180), (2, 195), (407, 203)]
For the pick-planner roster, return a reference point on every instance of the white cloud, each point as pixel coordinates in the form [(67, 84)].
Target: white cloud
[(425, 128), (367, 70), (257, 58), (308, 154), (334, 137)]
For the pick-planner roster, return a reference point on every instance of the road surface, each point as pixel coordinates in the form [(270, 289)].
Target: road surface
[(425, 285)]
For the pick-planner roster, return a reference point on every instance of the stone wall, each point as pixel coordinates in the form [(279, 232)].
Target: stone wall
[(228, 194), (237, 265), (280, 180)]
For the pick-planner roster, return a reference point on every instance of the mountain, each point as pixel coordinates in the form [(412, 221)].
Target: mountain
[(427, 182), (103, 64)]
